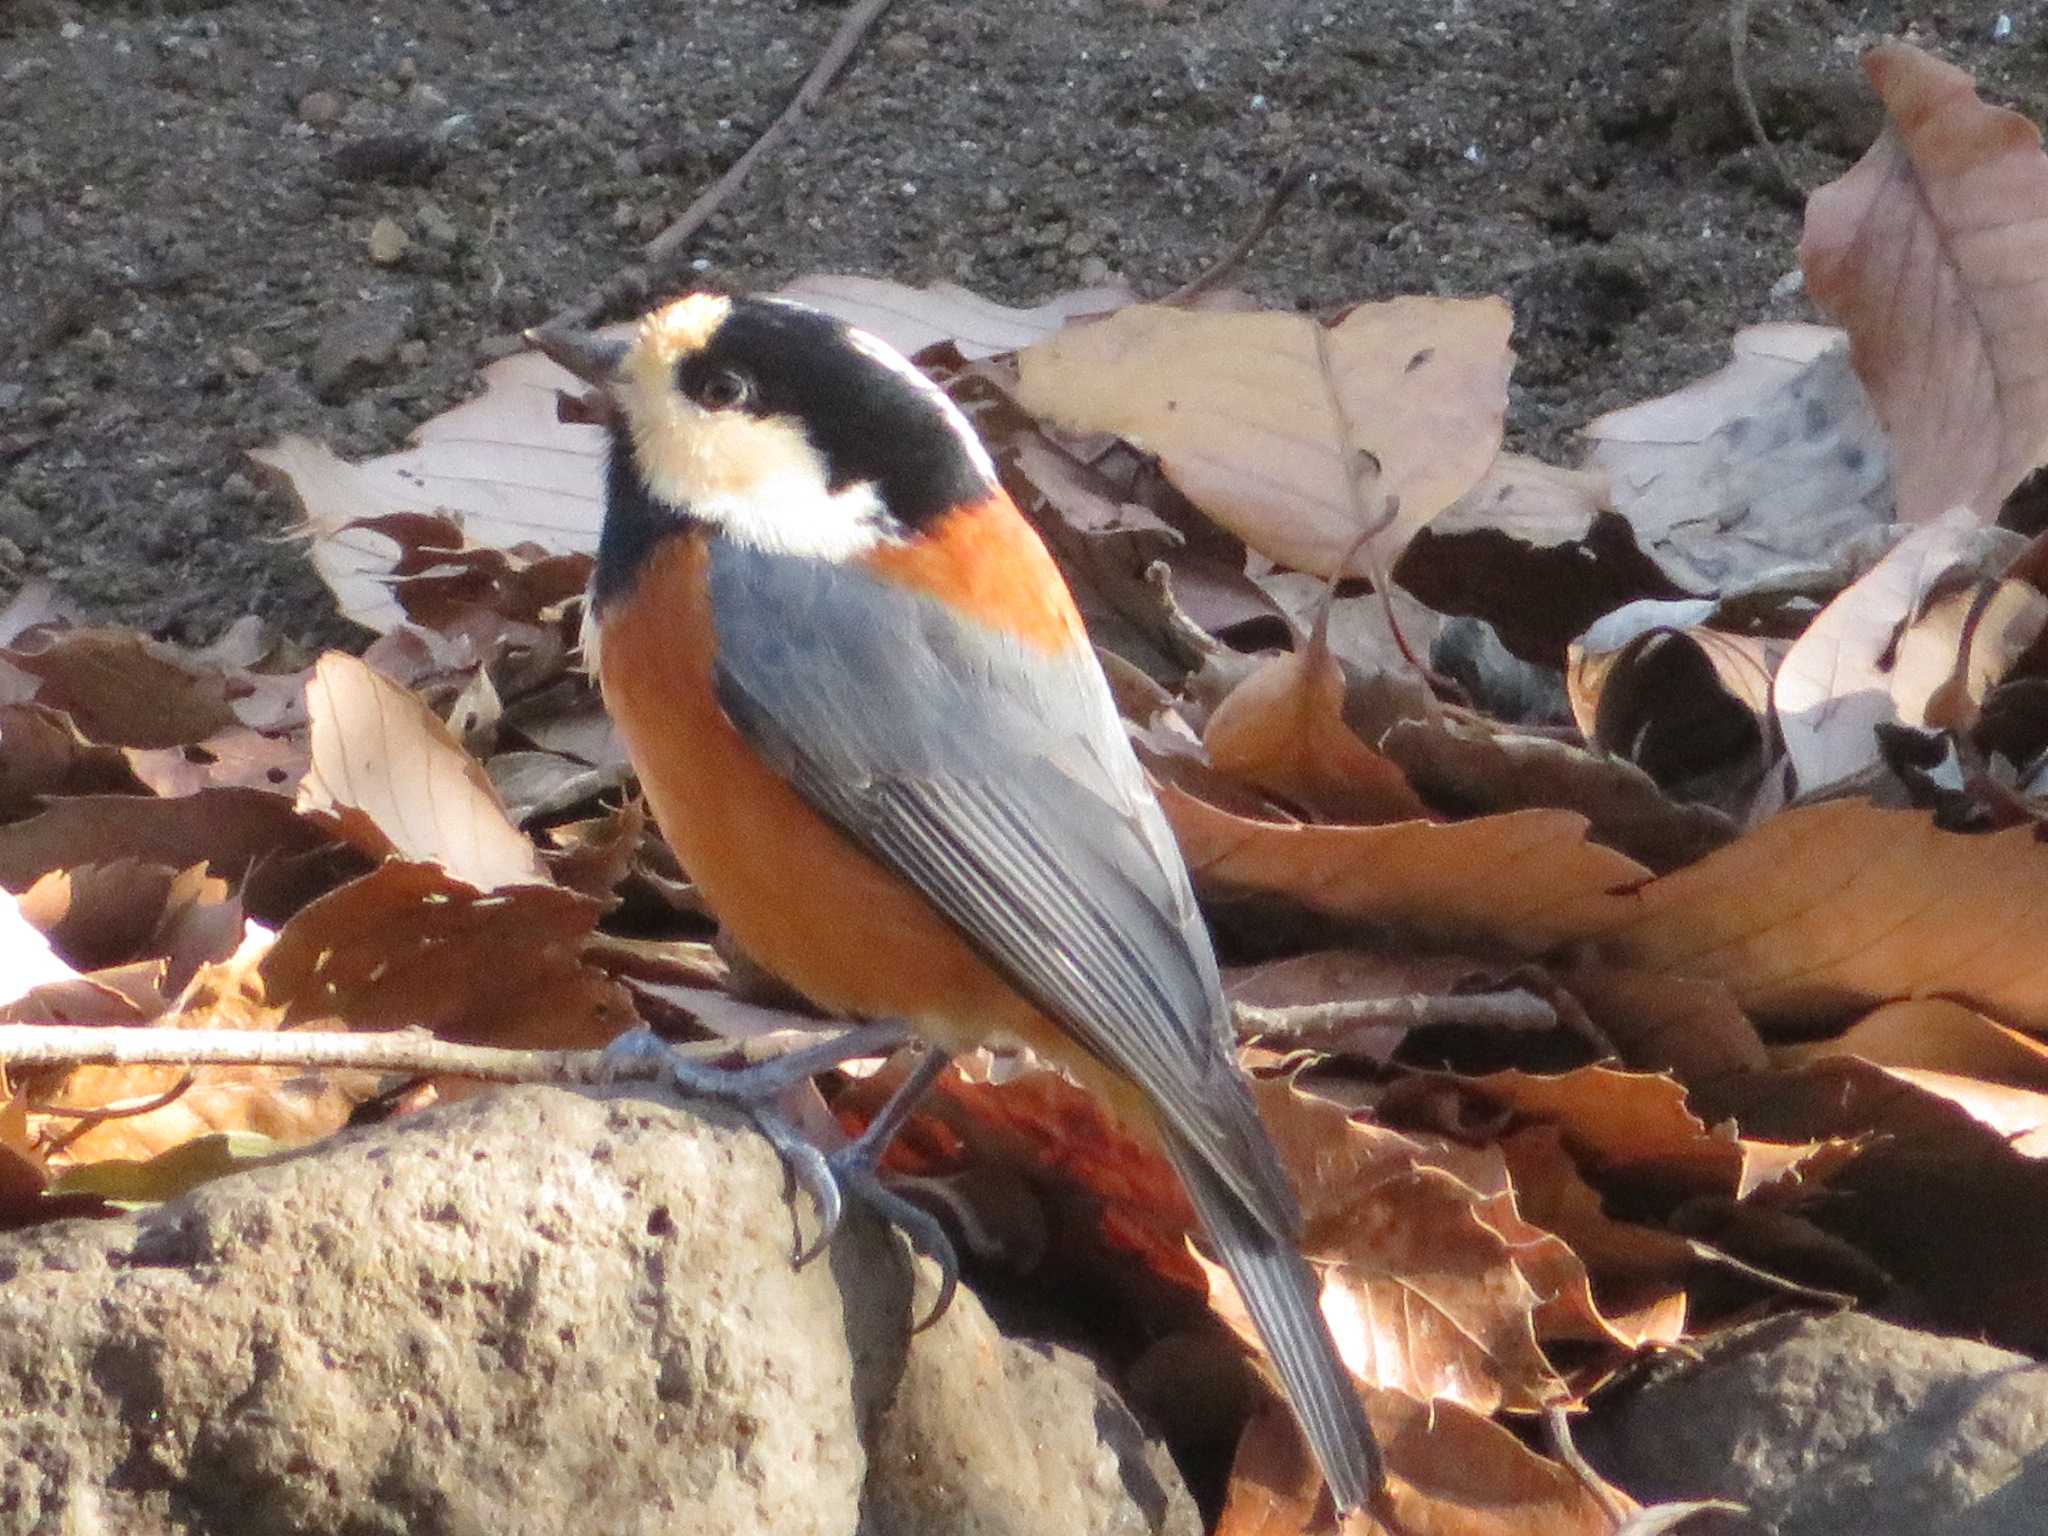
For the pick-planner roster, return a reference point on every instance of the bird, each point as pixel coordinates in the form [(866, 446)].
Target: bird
[(866, 714)]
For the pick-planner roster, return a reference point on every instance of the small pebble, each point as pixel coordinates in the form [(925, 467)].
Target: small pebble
[(408, 70), (246, 361), (435, 226), (414, 354), (388, 242), (1093, 271), (319, 109)]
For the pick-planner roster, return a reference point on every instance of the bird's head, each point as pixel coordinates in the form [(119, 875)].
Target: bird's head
[(771, 423)]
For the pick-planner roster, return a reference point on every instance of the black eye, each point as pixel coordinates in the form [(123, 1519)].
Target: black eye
[(722, 389)]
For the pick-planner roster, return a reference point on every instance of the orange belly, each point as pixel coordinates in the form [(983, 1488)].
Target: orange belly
[(795, 893)]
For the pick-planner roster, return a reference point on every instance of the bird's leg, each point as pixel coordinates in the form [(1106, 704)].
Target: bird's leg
[(853, 1169), (856, 1168), (756, 1089)]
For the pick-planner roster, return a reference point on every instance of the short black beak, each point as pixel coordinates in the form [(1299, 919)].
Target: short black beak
[(592, 358)]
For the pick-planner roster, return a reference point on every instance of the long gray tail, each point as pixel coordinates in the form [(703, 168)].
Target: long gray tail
[(1280, 1293)]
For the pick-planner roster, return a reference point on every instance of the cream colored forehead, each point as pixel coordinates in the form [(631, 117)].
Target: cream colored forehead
[(671, 334)]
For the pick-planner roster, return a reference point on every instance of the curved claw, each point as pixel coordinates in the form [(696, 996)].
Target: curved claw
[(916, 1223), (812, 1170)]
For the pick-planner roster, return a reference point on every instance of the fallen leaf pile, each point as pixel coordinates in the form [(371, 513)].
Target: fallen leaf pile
[(1637, 906)]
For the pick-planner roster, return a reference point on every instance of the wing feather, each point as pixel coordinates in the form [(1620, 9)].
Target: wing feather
[(997, 781)]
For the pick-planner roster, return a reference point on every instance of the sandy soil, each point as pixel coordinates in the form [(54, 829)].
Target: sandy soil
[(188, 194)]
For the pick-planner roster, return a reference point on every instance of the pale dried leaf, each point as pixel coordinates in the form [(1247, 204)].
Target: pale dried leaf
[(1776, 458), (1239, 411), (911, 319), (396, 783), (1933, 251), (1835, 685), (502, 466)]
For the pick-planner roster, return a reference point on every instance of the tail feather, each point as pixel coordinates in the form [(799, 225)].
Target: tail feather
[(1280, 1292)]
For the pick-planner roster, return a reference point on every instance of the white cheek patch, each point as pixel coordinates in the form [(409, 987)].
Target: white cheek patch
[(757, 479), (905, 369)]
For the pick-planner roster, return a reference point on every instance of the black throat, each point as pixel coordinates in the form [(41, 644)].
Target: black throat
[(634, 524)]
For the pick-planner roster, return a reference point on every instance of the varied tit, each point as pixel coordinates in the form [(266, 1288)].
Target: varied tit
[(867, 717)]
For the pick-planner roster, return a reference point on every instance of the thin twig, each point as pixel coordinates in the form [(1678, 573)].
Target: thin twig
[(1738, 69), (88, 1118), (1354, 461), (1292, 181), (1557, 1431), (633, 285), (75, 1045), (1323, 1026)]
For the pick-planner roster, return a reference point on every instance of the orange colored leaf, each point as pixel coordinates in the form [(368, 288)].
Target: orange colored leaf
[(1527, 879), (1833, 908), (1935, 1035), (1933, 251), (414, 946), (1282, 730)]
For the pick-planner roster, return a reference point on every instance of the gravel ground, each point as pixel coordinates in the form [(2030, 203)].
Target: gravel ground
[(219, 223)]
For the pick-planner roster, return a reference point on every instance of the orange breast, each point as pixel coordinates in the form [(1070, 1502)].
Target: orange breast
[(797, 894)]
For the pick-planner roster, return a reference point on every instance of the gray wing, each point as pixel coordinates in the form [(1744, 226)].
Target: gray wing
[(998, 782)]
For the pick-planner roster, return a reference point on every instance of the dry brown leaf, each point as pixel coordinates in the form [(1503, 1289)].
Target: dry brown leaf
[(413, 945), (27, 959), (1931, 251), (1238, 410), (1692, 1029), (1830, 909), (1657, 684), (1435, 1284), (1282, 731), (1942, 1196), (1638, 1272), (23, 1175), (42, 756), (1537, 552), (1776, 458), (1934, 1035), (287, 1106), (228, 830), (1466, 764), (124, 689), (1840, 680), (1526, 880), (391, 778), (1639, 1127), (911, 319)]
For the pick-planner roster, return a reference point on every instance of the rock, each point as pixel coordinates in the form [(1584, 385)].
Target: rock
[(320, 109), (989, 1436), (246, 361), (388, 241), (356, 345), (530, 1312), (435, 227), (1838, 1424)]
